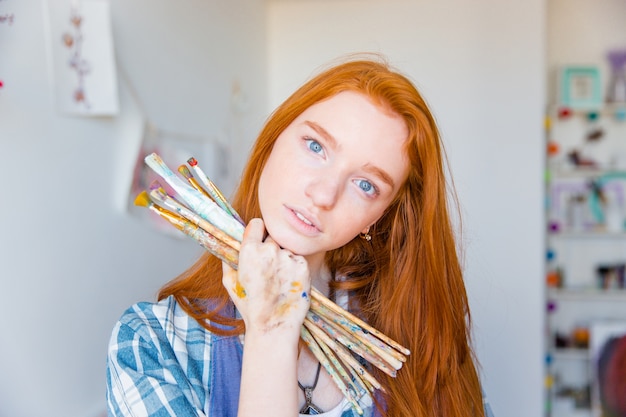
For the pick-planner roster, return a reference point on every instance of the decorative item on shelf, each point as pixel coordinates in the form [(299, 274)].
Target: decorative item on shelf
[(549, 380), (577, 338), (582, 205), (594, 134), (561, 341), (564, 112), (554, 275), (577, 159), (581, 396), (606, 200), (617, 80), (611, 276), (593, 116), (580, 156), (554, 278), (580, 87), (620, 114), (580, 337), (577, 213), (554, 226), (553, 148)]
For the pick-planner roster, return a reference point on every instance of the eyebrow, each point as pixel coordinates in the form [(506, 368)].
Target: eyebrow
[(333, 143), (381, 174), (323, 132)]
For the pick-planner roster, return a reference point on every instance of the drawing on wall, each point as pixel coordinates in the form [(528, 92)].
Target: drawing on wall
[(6, 17), (608, 354), (73, 40), (82, 57)]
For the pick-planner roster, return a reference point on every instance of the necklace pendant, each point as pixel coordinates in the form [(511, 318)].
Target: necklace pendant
[(310, 409)]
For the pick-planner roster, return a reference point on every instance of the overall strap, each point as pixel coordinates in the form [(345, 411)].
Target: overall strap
[(225, 376)]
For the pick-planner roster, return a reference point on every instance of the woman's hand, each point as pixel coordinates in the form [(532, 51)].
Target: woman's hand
[(271, 286)]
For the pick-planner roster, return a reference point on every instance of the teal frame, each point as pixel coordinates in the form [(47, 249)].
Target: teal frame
[(571, 96)]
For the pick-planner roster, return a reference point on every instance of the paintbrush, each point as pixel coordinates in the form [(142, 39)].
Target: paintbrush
[(339, 323), (343, 352), (333, 358), (212, 189), (355, 345), (206, 240), (158, 194), (202, 205), (184, 171), (315, 294), (319, 354), (343, 359)]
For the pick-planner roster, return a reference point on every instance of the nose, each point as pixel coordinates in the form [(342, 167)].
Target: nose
[(324, 191)]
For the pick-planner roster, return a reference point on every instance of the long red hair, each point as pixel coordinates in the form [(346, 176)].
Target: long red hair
[(407, 282)]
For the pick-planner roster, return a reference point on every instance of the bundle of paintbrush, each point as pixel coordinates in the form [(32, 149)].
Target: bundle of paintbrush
[(332, 334)]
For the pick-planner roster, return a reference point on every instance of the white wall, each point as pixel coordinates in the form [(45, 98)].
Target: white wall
[(71, 259), (481, 66)]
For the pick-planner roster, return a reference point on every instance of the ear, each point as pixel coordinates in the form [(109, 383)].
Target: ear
[(366, 230)]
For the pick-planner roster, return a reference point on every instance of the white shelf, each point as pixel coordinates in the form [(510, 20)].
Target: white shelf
[(588, 235), (570, 354), (587, 294), (605, 108), (570, 411), (584, 173)]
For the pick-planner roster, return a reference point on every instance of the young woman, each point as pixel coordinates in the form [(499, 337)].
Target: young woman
[(345, 191)]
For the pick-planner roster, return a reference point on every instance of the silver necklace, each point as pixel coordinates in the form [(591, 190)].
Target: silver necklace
[(309, 408)]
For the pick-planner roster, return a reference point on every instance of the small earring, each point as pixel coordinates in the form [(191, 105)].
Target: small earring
[(365, 236)]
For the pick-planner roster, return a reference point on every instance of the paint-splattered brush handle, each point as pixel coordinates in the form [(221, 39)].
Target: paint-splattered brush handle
[(321, 357), (202, 205), (213, 190)]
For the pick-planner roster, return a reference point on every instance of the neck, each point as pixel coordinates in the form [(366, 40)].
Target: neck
[(320, 275)]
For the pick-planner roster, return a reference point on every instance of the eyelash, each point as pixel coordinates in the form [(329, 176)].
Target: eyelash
[(371, 193), (310, 141)]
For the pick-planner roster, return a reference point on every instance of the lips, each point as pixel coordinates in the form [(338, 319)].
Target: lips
[(305, 220)]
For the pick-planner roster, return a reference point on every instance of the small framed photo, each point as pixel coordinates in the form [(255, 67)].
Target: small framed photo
[(580, 87)]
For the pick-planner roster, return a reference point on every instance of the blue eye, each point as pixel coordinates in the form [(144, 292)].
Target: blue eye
[(367, 187), (314, 145)]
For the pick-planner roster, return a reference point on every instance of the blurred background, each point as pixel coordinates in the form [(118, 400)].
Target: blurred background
[(204, 75)]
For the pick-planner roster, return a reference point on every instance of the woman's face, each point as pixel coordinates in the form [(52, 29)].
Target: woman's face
[(332, 173)]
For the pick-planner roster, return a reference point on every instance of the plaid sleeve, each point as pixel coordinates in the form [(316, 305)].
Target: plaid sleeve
[(488, 412), (144, 375)]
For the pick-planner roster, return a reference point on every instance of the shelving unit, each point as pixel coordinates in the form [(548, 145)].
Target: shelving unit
[(586, 259)]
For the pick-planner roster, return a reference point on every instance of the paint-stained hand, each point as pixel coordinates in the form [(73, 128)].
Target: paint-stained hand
[(271, 286)]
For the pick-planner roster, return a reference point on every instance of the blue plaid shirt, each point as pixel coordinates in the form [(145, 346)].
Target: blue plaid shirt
[(161, 362)]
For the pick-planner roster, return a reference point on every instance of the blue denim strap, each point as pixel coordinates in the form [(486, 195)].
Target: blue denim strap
[(225, 377)]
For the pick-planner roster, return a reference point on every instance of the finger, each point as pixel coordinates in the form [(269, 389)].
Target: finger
[(255, 230), (227, 270), (230, 281), (269, 239)]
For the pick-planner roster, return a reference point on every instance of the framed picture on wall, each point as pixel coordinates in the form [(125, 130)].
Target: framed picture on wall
[(580, 87)]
